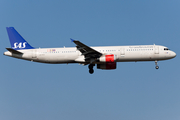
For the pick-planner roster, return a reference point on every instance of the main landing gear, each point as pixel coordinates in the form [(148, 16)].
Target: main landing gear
[(91, 71), (157, 67)]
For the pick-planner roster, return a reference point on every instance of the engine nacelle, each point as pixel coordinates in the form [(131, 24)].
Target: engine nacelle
[(107, 66), (108, 58)]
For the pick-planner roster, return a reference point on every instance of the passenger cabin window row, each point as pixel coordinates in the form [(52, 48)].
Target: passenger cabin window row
[(59, 52), (106, 50), (68, 51), (138, 49), (103, 50)]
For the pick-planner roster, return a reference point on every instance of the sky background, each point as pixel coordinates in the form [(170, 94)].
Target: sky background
[(134, 91)]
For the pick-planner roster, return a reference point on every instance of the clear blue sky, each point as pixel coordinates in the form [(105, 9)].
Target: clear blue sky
[(134, 91)]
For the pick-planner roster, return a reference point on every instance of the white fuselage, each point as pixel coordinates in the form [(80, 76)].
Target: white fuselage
[(72, 55)]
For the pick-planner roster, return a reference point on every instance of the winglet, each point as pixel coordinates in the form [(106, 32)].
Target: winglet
[(72, 40)]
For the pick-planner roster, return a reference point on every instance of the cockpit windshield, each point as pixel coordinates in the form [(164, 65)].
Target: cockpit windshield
[(166, 49)]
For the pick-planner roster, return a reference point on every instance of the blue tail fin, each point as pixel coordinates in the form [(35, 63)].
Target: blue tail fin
[(16, 40)]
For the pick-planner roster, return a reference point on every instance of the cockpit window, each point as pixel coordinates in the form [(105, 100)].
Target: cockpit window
[(166, 49)]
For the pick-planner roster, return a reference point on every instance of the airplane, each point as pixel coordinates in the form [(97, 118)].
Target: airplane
[(105, 57)]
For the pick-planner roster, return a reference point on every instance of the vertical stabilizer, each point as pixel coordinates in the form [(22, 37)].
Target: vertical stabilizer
[(16, 40)]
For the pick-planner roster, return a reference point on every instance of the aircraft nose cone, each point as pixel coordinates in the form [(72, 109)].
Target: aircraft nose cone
[(174, 54)]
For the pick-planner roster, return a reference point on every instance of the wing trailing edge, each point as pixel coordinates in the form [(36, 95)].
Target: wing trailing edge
[(87, 51)]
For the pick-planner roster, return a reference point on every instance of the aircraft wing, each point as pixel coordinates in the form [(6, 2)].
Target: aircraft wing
[(87, 51)]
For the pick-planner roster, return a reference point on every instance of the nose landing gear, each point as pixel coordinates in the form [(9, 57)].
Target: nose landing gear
[(157, 67), (91, 71)]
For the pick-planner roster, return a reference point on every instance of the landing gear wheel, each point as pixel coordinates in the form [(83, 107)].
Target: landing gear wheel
[(90, 66), (91, 71), (157, 67)]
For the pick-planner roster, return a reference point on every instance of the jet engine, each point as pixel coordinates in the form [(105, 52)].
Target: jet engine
[(107, 58), (109, 62), (107, 66)]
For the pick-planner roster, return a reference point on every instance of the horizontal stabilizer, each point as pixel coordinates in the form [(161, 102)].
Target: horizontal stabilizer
[(13, 51)]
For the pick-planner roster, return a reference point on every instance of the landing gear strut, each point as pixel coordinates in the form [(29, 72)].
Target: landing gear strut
[(157, 67), (91, 71)]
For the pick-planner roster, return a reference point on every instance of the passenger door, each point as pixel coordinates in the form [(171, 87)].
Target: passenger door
[(156, 49), (122, 52), (34, 53)]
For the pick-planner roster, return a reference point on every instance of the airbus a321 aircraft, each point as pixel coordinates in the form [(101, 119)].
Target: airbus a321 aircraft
[(104, 57)]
